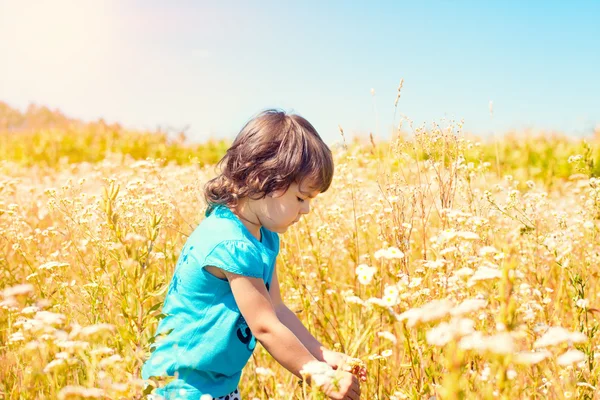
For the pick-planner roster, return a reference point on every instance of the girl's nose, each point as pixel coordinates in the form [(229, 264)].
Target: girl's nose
[(305, 208)]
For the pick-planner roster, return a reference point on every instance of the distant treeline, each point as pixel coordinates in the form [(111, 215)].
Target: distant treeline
[(40, 136), (47, 137)]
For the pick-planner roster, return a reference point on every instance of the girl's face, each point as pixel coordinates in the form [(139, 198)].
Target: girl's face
[(280, 210)]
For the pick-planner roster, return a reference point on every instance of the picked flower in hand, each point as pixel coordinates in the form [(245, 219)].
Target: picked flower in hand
[(357, 367), (346, 363)]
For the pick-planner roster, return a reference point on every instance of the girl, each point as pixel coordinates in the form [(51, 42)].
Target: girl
[(224, 295)]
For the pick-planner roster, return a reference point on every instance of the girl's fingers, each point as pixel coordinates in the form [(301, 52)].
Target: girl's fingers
[(353, 396), (355, 388)]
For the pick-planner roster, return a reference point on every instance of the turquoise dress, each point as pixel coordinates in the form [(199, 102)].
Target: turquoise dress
[(204, 341)]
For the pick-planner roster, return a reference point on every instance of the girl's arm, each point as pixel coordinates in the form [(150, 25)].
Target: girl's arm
[(289, 319), (254, 302)]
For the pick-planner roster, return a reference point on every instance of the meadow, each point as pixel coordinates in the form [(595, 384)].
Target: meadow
[(454, 267)]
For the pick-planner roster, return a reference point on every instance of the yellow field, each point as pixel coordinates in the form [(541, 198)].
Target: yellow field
[(453, 269)]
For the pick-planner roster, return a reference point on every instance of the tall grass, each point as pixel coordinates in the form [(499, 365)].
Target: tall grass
[(449, 275)]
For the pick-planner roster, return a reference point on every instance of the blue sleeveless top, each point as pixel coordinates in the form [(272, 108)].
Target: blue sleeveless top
[(206, 340)]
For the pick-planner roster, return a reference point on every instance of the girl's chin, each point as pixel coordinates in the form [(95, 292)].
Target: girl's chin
[(281, 228), (278, 229)]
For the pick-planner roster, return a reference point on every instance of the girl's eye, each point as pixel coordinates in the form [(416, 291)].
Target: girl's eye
[(300, 200)]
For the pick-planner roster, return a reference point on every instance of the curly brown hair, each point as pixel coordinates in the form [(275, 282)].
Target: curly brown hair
[(273, 150)]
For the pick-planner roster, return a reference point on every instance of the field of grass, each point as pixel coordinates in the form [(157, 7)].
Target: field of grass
[(453, 268)]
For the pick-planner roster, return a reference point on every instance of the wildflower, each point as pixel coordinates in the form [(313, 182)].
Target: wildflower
[(319, 372), (35, 345), (354, 300), (132, 237), (582, 303), (468, 306), (484, 273), (394, 253), (50, 318), (30, 310), (575, 158), (107, 362), (485, 374), (391, 253), (365, 279), (445, 236), (415, 282), (78, 392), (103, 351), (484, 251), (557, 335), (96, 330), (570, 357), (365, 273), (9, 303), (586, 385), (73, 345), (390, 295), (16, 337), (500, 343), (380, 253), (121, 389), (53, 264), (446, 332), (378, 302), (434, 310), (467, 235), (464, 271), (386, 353), (435, 264), (387, 335), (403, 280), (449, 250), (391, 290), (264, 371), (531, 357), (398, 396), (54, 365), (18, 290)]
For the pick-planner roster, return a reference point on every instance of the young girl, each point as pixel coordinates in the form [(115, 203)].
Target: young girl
[(224, 295)]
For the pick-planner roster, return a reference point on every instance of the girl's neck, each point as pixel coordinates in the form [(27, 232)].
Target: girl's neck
[(248, 217)]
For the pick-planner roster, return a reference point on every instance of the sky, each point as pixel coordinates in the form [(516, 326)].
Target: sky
[(209, 66)]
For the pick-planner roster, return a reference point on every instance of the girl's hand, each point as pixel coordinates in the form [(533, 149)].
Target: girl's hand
[(343, 362), (344, 386), (334, 359)]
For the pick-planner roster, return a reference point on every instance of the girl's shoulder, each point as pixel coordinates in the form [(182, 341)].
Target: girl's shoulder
[(221, 224), (223, 242), (216, 228)]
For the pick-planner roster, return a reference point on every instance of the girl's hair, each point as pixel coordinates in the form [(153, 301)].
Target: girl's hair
[(272, 151)]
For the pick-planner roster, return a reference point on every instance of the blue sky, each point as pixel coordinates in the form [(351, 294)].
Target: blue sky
[(212, 65)]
